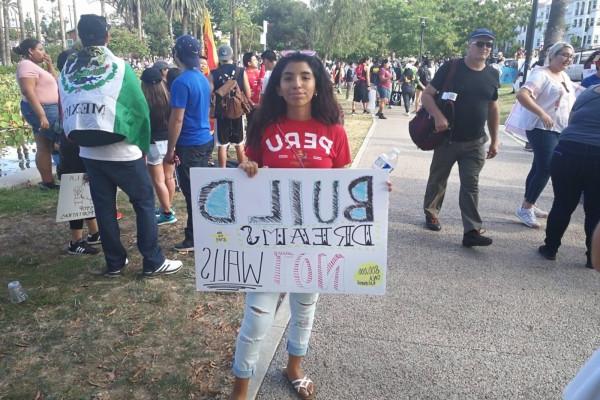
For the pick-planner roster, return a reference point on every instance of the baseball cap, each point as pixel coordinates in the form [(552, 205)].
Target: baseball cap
[(187, 49), (482, 32), (161, 64), (225, 53), (92, 27), (151, 75)]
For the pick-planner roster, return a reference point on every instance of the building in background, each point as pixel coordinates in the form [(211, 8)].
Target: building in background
[(582, 19)]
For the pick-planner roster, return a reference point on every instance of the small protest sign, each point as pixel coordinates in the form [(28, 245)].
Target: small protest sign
[(74, 199), (290, 230)]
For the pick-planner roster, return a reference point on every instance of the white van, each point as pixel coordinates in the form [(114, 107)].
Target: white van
[(576, 70)]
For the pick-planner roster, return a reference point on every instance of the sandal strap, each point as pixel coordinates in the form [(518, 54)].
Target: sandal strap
[(302, 383)]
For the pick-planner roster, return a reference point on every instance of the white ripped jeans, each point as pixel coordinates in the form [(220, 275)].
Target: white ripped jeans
[(259, 313)]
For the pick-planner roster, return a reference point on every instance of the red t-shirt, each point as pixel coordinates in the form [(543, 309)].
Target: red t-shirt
[(315, 144), (255, 84), (361, 73)]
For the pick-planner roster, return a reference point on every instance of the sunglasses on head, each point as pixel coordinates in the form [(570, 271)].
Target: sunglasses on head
[(287, 53), (481, 45)]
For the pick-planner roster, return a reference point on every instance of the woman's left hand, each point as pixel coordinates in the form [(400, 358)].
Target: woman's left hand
[(249, 167)]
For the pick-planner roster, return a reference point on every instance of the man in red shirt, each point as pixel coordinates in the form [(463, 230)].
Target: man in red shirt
[(361, 86), (253, 73)]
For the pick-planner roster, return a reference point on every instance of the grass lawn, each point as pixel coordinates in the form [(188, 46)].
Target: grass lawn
[(506, 99), (82, 336)]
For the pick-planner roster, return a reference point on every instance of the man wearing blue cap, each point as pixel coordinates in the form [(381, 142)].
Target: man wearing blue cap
[(189, 126), (474, 90)]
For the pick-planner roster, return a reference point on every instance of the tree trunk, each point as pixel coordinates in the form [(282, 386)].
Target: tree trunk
[(556, 25), (36, 13), (75, 17), (2, 44), (6, 19), (234, 34), (61, 16), (139, 19), (184, 22), (21, 20), (170, 17)]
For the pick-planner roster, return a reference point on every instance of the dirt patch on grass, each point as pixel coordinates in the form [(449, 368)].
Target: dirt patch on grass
[(84, 336)]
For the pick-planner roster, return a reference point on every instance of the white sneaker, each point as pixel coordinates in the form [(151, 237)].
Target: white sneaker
[(168, 267), (527, 217), (539, 213)]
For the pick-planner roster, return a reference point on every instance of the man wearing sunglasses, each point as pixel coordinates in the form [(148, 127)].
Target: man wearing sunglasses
[(474, 91)]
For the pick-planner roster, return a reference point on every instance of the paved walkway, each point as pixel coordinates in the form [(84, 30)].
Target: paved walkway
[(456, 323)]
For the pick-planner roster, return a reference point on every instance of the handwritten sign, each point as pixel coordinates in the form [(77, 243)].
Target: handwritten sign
[(74, 199), (290, 230)]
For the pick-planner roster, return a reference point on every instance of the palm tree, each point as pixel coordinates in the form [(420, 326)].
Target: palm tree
[(36, 13), (556, 24), (102, 7), (184, 9), (6, 21), (61, 18), (3, 54), (21, 20)]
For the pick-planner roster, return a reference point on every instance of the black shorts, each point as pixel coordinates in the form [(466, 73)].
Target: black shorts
[(361, 92), (229, 131)]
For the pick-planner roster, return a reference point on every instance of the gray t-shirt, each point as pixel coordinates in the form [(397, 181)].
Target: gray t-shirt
[(584, 122)]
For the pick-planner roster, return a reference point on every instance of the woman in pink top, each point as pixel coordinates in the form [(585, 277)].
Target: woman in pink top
[(39, 105), (384, 87)]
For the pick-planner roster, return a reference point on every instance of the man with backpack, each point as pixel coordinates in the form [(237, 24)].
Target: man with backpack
[(106, 114), (232, 91)]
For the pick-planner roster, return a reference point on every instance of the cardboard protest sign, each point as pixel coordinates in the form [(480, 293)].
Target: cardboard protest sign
[(290, 230), (74, 199)]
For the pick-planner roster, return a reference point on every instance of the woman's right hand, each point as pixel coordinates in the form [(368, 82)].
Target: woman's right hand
[(44, 124), (547, 121), (249, 167)]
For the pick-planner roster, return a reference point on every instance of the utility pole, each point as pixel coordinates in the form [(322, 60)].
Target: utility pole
[(421, 43), (61, 16), (75, 18), (529, 39)]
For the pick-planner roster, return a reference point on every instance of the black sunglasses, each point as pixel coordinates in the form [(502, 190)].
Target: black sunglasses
[(481, 45)]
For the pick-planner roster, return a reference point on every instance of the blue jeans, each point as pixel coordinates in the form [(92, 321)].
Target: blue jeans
[(52, 115), (543, 143), (190, 157), (259, 313), (132, 177), (575, 170)]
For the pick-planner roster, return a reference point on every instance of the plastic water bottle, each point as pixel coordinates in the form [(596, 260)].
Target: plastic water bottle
[(387, 161)]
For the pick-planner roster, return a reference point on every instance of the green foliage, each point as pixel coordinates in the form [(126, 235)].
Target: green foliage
[(290, 24), (14, 130), (156, 26), (127, 44)]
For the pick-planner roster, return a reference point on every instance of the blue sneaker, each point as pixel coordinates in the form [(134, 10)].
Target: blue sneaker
[(164, 219), (159, 210)]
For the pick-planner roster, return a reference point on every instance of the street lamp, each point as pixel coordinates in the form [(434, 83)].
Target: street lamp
[(421, 44)]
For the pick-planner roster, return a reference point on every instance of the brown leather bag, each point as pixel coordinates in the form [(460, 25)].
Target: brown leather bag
[(234, 102)]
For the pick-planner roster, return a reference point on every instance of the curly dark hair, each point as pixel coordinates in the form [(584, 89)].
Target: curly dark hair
[(23, 48), (324, 107)]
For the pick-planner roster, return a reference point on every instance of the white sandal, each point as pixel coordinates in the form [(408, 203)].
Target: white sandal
[(301, 386)]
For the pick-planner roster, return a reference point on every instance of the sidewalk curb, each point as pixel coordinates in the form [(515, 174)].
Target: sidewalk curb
[(282, 315)]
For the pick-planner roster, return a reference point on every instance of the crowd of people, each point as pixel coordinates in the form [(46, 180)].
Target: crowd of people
[(139, 136)]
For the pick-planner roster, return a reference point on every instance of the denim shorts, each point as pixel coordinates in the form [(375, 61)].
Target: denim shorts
[(52, 115), (384, 93), (157, 152)]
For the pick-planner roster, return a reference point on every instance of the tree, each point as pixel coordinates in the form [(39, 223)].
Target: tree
[(3, 55), (21, 20), (184, 9), (36, 13), (157, 31), (61, 18), (290, 24), (124, 43), (555, 30)]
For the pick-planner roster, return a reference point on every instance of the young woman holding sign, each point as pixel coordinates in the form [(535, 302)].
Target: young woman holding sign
[(298, 106)]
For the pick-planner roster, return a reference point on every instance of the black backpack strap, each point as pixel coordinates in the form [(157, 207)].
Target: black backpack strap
[(450, 77)]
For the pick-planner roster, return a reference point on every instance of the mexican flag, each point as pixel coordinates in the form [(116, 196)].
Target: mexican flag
[(101, 92)]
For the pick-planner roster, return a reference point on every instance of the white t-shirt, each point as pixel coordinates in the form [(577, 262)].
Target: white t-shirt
[(120, 151), (265, 81), (556, 98)]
